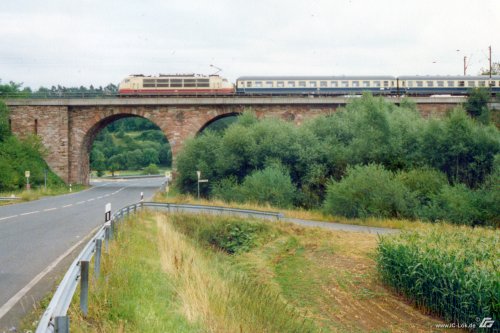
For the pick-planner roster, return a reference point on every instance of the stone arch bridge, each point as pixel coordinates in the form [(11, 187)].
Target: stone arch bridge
[(68, 127)]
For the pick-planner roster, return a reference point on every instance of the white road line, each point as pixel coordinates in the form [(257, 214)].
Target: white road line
[(90, 200), (33, 212), (49, 209), (80, 202), (8, 217), (99, 197), (21, 293), (67, 206)]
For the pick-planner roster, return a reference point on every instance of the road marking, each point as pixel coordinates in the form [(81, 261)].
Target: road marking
[(90, 200), (33, 212), (21, 293), (8, 217), (67, 206), (80, 202), (49, 209), (99, 197)]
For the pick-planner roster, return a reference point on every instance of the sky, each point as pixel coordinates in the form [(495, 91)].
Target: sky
[(84, 42)]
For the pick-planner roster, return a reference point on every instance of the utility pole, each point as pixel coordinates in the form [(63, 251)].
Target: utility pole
[(465, 65), (489, 59)]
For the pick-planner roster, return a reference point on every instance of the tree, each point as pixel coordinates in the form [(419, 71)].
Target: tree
[(477, 104), (495, 69)]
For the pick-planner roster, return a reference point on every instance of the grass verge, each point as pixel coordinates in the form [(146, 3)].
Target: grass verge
[(190, 273)]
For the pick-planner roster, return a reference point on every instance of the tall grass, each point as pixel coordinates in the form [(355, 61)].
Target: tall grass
[(223, 299), (452, 272)]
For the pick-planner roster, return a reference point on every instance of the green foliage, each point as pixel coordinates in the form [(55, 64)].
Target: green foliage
[(452, 272), (233, 236), (271, 185), (18, 156), (461, 148), (424, 183), (130, 144), (369, 130), (4, 121), (368, 191), (151, 169), (477, 104)]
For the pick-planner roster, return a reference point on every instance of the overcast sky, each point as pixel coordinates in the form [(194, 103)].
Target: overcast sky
[(83, 42)]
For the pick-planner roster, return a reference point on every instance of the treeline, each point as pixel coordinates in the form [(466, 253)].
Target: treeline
[(18, 156), (130, 144), (15, 90), (372, 158)]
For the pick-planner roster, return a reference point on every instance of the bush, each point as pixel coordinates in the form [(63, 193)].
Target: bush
[(368, 191), (151, 169), (271, 186), (232, 236), (424, 183)]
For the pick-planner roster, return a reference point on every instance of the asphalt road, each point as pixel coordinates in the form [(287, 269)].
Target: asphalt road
[(37, 234)]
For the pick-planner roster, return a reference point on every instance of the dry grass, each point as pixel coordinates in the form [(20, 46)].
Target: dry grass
[(294, 213)]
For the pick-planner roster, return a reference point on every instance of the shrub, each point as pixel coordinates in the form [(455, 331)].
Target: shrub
[(368, 191), (151, 169), (424, 183), (271, 186)]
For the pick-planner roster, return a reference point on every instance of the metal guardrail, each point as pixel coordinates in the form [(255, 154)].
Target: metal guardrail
[(9, 198), (55, 318)]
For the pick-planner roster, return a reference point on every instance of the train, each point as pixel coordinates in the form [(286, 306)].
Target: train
[(195, 84)]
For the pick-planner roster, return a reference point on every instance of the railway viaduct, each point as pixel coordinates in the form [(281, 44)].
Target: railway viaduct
[(68, 127)]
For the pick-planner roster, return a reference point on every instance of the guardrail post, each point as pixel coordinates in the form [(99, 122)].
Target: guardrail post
[(84, 287), (61, 324), (97, 262), (106, 237), (112, 229)]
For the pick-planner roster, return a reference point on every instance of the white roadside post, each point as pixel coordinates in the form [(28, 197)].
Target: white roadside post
[(142, 196), (27, 175), (109, 228)]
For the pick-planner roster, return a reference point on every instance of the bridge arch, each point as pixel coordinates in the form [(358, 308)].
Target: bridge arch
[(217, 118), (79, 162)]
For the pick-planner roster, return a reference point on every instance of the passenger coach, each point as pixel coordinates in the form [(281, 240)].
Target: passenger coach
[(337, 85), (452, 85)]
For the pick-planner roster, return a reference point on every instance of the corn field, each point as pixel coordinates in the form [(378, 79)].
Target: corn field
[(453, 272)]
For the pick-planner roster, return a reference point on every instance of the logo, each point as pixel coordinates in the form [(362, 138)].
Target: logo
[(486, 323)]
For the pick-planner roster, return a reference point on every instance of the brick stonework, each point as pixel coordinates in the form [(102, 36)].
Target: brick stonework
[(69, 131)]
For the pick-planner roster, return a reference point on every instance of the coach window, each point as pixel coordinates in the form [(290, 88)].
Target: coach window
[(291, 84), (269, 84), (482, 83), (409, 84), (440, 83), (471, 83), (430, 83), (302, 84), (355, 84), (258, 84), (344, 84), (451, 83), (249, 84), (366, 84), (323, 84), (461, 83), (334, 84), (312, 84), (420, 83), (386, 83), (280, 84), (376, 84)]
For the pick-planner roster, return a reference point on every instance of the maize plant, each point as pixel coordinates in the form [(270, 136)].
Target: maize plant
[(453, 272)]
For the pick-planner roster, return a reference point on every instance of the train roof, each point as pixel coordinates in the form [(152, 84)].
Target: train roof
[(340, 77), (448, 77)]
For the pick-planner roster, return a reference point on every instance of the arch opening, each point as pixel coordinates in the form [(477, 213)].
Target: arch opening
[(124, 143), (219, 123)]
